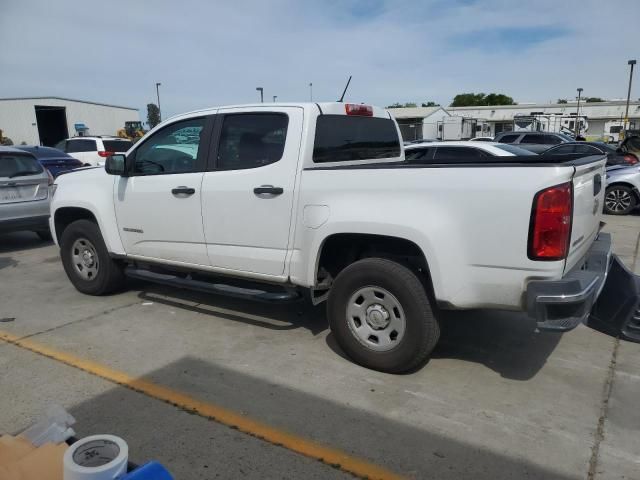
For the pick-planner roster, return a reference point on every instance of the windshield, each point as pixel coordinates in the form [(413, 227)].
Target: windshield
[(16, 165), (118, 146), (513, 149)]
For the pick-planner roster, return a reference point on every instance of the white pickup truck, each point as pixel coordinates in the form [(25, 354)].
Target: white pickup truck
[(272, 200)]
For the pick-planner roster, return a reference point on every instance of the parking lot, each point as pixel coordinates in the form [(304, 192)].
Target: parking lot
[(220, 388)]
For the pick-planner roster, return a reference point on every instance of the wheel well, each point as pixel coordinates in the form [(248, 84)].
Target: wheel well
[(66, 215), (625, 184), (340, 250)]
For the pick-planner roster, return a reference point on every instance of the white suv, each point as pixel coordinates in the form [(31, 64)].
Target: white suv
[(94, 150)]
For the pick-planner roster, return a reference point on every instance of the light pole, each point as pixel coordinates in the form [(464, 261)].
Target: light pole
[(261, 90), (626, 111), (158, 95), (311, 91), (578, 113), (274, 98)]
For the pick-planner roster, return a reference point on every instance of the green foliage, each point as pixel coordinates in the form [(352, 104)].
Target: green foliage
[(431, 104), (6, 141), (481, 99), (153, 115), (593, 99), (562, 100), (401, 105)]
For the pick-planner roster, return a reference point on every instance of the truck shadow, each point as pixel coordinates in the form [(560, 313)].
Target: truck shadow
[(21, 241), (505, 342), (191, 446)]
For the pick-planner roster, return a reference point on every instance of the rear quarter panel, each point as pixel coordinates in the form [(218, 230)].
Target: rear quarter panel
[(471, 223)]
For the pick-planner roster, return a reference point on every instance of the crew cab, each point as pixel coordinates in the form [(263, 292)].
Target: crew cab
[(271, 201)]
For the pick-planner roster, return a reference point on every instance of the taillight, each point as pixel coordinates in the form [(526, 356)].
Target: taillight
[(630, 158), (361, 110), (106, 154), (550, 229)]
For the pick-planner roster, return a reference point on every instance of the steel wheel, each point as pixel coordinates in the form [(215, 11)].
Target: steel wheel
[(376, 318), (618, 200), (85, 259)]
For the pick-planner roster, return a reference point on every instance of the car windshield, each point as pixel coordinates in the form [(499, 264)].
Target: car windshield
[(118, 146), (513, 149), (17, 165), (566, 137)]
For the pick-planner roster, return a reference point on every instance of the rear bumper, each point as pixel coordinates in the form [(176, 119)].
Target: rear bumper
[(561, 305), (38, 223)]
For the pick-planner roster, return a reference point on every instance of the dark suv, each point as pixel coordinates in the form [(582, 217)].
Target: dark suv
[(533, 141)]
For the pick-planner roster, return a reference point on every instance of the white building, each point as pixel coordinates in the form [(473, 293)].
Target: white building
[(47, 120), (602, 117), (419, 122)]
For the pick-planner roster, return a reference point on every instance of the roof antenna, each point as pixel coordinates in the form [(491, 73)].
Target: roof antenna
[(345, 90)]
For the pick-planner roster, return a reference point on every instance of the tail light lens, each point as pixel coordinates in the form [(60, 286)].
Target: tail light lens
[(105, 154), (630, 158), (550, 229), (359, 110)]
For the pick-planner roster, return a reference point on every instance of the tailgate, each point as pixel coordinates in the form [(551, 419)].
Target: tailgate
[(588, 199)]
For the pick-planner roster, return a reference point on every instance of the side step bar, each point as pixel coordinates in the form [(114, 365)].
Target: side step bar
[(617, 310), (189, 283)]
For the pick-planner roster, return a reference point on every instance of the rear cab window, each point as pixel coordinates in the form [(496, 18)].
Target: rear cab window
[(342, 138), (77, 146)]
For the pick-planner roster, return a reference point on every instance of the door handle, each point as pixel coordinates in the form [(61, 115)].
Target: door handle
[(183, 191), (268, 190)]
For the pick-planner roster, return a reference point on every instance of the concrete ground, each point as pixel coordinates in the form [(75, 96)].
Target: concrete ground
[(497, 401)]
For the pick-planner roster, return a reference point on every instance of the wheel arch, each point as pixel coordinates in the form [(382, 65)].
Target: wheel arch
[(623, 183)]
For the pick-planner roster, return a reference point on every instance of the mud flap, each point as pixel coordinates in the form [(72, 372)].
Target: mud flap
[(617, 310)]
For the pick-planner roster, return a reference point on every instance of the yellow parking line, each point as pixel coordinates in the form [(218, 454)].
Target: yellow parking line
[(290, 441)]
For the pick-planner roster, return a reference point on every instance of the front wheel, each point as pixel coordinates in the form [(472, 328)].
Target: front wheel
[(381, 316), (619, 200), (86, 260)]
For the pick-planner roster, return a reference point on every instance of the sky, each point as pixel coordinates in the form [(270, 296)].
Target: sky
[(208, 53)]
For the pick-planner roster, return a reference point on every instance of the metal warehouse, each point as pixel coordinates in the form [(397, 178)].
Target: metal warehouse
[(604, 120), (47, 120)]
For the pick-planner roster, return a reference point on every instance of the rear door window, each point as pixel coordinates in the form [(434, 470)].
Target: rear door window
[(532, 139), (457, 155), (251, 140), (563, 150), (587, 150), (17, 165), (118, 146), (550, 140), (419, 155), (341, 138), (508, 138), (76, 146)]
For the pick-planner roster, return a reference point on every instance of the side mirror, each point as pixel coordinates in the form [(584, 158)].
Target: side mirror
[(116, 165)]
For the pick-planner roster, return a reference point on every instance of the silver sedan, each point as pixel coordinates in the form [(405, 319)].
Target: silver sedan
[(623, 190)]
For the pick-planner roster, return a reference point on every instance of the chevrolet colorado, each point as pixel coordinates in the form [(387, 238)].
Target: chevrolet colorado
[(267, 201)]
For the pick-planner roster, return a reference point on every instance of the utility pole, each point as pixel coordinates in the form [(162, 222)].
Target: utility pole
[(578, 113), (311, 92), (274, 98), (158, 95), (626, 111), (261, 90)]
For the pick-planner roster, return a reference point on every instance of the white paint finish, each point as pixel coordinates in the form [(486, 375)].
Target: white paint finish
[(18, 117), (168, 226), (245, 231), (314, 216)]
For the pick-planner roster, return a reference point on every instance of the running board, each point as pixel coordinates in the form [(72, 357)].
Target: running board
[(189, 283), (617, 310)]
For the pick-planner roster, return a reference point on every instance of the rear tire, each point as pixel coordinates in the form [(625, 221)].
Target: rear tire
[(86, 260), (619, 200), (381, 316)]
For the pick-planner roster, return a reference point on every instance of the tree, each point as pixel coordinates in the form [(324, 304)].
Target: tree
[(562, 100), (153, 115), (401, 105), (593, 99), (431, 104), (480, 99)]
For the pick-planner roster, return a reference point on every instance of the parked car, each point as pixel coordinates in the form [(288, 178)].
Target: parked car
[(52, 159), (24, 193), (614, 155), (422, 140), (622, 195), (537, 142), (461, 152), (482, 139), (94, 150)]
